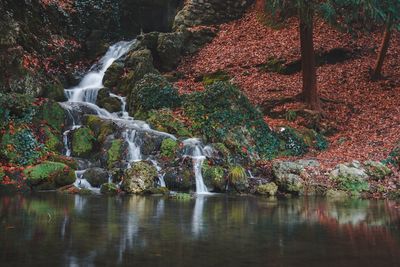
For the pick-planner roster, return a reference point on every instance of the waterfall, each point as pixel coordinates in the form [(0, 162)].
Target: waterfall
[(195, 151), (82, 100)]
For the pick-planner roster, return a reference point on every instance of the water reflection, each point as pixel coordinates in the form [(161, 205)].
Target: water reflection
[(207, 231)]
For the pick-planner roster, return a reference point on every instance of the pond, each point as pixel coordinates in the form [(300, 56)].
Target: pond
[(51, 229)]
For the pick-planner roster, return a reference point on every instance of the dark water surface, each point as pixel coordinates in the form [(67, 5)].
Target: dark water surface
[(64, 230)]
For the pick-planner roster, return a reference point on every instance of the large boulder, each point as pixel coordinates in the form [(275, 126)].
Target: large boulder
[(169, 50), (96, 176), (376, 170), (289, 176), (139, 179), (49, 175), (350, 177)]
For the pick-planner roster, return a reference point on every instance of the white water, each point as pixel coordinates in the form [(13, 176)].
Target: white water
[(161, 175), (134, 153), (88, 88), (194, 150)]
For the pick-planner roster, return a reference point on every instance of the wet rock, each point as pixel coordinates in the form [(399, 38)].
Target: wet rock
[(160, 191), (114, 153), (165, 121), (49, 175), (289, 176), (113, 75), (149, 143), (104, 100), (139, 179), (181, 178), (96, 176), (100, 127), (238, 179)]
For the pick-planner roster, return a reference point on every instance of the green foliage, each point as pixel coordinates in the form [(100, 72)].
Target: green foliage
[(394, 156), (53, 114), (182, 196), (291, 115), (169, 148), (294, 145), (20, 147), (237, 174), (16, 107), (165, 121), (214, 175), (154, 92), (222, 114), (321, 143)]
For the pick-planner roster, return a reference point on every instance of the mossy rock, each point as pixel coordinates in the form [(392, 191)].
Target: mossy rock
[(238, 178), (269, 189), (169, 147), (164, 120), (20, 147), (49, 175), (140, 63), (100, 127), (113, 75), (109, 189), (104, 100), (115, 152), (336, 194), (71, 162), (52, 140), (53, 114), (214, 176), (181, 196), (350, 177), (160, 191), (139, 179), (153, 92), (83, 142)]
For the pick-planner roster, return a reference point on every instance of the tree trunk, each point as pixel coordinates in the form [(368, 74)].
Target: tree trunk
[(309, 93), (377, 71)]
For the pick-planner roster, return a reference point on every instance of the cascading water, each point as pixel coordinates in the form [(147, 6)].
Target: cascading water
[(82, 100), (195, 151)]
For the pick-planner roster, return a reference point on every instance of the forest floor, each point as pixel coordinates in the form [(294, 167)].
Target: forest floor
[(365, 113)]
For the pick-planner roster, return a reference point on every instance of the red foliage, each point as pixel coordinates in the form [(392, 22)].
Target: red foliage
[(369, 131)]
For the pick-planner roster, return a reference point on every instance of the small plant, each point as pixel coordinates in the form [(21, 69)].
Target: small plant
[(291, 115), (169, 148), (237, 174)]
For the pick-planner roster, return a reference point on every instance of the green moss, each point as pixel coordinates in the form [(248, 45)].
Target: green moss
[(352, 183), (169, 147), (114, 154), (269, 189), (52, 141), (82, 142), (376, 170), (54, 90), (219, 76), (139, 179), (53, 174), (182, 196)]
